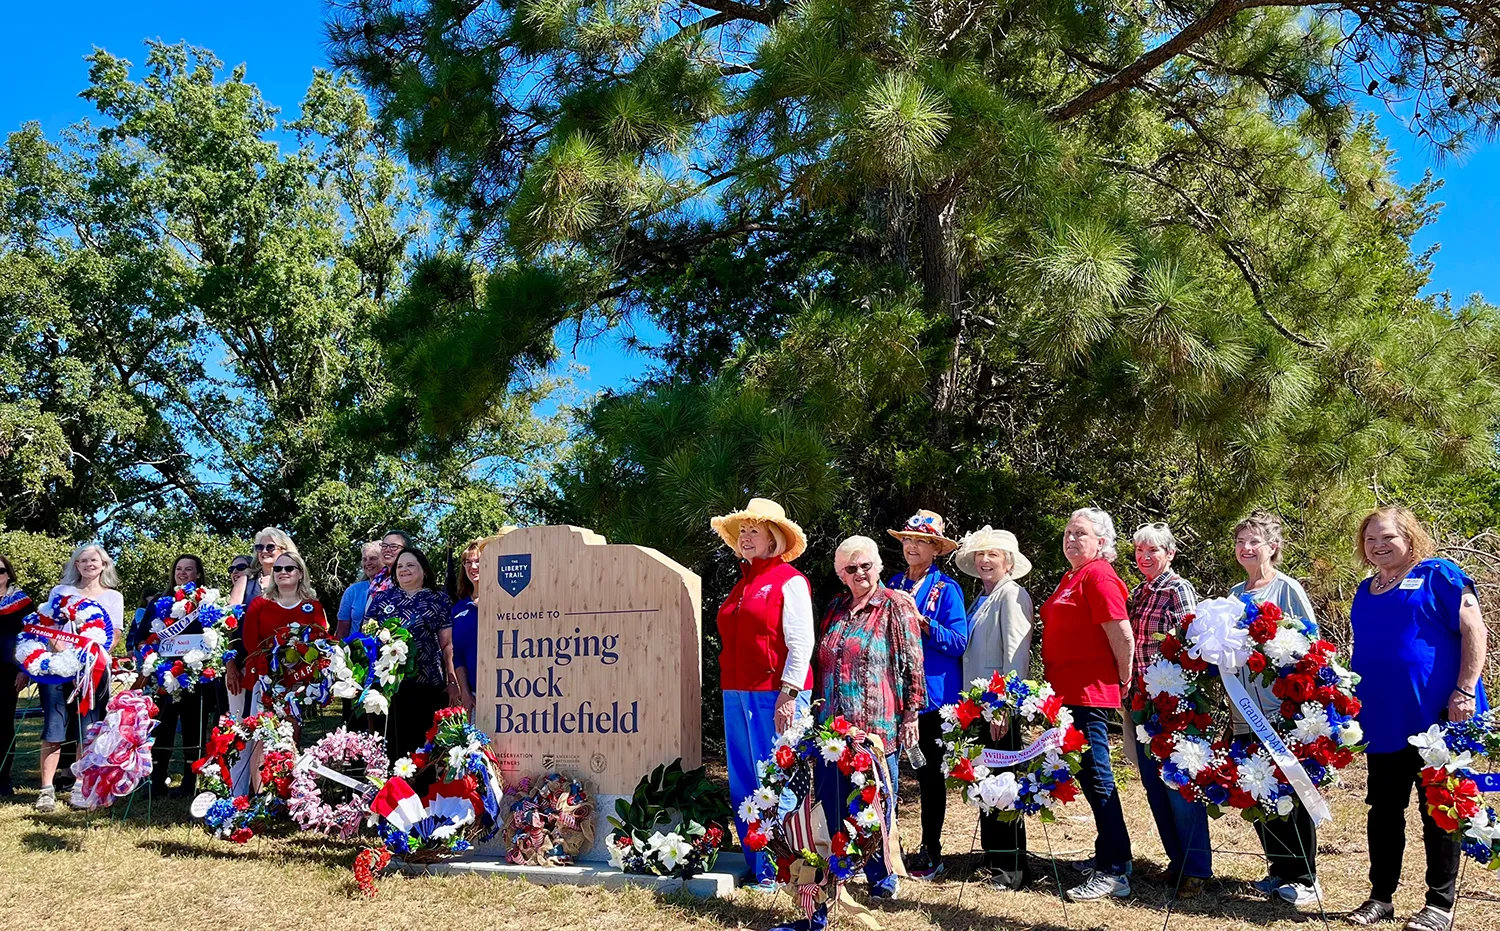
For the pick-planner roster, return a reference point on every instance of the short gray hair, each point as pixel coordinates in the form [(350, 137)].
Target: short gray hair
[(1104, 526), (369, 545), (856, 546), (1157, 534)]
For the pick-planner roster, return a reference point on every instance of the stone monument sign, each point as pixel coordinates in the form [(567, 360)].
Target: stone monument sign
[(588, 657)]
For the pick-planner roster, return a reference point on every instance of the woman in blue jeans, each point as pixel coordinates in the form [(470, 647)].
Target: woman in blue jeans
[(1159, 605)]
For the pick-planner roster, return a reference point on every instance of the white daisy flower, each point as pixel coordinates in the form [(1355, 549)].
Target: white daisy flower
[(1258, 776), (832, 748), (404, 768), (766, 797), (1313, 724), (1192, 756), (1164, 678)]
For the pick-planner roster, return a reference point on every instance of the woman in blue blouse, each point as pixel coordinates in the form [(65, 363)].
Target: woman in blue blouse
[(432, 683), (1419, 647)]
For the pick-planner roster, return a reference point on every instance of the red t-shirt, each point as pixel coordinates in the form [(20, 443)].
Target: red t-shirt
[(267, 624), (1076, 657)]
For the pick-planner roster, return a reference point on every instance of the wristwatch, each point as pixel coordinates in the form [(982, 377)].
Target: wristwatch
[(790, 690)]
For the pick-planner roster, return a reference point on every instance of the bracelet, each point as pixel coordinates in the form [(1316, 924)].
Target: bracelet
[(1460, 690)]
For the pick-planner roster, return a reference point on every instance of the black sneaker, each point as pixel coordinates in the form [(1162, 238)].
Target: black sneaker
[(924, 866)]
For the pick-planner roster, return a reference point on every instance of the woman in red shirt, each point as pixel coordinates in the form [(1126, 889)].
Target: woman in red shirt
[(1087, 650), (268, 621)]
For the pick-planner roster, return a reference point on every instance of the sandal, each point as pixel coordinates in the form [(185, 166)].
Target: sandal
[(1430, 919), (1372, 912)]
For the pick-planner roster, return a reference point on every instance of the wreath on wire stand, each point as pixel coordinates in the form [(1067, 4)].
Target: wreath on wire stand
[(335, 779), (1453, 786), (671, 826)]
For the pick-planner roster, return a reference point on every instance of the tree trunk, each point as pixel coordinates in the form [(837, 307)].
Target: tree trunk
[(937, 211)]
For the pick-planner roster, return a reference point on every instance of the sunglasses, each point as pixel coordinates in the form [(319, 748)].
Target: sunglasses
[(857, 568), (239, 567), (4, 571), (283, 570), (266, 547)]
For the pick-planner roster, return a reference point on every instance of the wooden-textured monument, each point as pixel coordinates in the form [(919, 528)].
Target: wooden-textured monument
[(588, 657)]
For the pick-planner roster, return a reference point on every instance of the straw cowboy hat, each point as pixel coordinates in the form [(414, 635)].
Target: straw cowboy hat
[(927, 525), (988, 538), (792, 542)]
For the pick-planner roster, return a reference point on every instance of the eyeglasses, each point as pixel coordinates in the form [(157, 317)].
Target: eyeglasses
[(283, 570), (239, 567), (857, 568), (471, 562), (390, 546), (266, 547)]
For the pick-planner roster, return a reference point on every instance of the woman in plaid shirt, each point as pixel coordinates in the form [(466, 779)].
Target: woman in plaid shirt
[(1158, 606)]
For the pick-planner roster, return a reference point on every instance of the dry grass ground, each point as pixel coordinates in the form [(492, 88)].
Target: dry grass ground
[(67, 870)]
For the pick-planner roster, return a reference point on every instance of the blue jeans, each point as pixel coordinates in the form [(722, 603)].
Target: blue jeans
[(749, 733), (1097, 779), (1183, 825), (833, 791)]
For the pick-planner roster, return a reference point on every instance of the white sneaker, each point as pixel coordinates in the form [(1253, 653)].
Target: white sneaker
[(1267, 886), (46, 799), (1300, 895), (1098, 886)]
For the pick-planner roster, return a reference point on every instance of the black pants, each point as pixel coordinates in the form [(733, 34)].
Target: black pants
[(412, 711), (1291, 846), (8, 698), (1004, 842), (1392, 778), (930, 779), (190, 711)]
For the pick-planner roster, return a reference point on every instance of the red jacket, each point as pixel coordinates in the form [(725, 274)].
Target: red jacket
[(754, 652)]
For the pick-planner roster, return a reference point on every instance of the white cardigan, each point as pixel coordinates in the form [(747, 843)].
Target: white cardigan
[(1000, 634)]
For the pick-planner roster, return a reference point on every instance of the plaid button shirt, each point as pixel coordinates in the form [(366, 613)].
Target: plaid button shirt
[(1158, 607)]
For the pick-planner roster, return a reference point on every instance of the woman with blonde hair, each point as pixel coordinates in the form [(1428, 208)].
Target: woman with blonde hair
[(267, 625), (1419, 648), (766, 631), (90, 574), (1000, 627), (270, 543)]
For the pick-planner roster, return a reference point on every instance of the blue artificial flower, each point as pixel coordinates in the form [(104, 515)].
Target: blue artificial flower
[(164, 606), (1315, 771), (461, 845), (1173, 775), (1327, 676), (219, 812), (1216, 794)]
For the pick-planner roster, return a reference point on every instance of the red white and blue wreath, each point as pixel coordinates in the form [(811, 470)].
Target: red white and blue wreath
[(246, 775), (1010, 784), (307, 671), (68, 644), (1452, 786), (461, 807), (1286, 758), (203, 662), (785, 820)]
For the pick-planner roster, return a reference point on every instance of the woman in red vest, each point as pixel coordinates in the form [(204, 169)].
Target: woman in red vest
[(766, 628)]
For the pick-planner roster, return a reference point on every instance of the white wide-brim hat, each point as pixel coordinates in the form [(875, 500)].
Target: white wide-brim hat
[(988, 538), (761, 510)]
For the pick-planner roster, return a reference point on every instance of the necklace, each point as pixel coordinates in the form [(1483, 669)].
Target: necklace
[(1380, 583)]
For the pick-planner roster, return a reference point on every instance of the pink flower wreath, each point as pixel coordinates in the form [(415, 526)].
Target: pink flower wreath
[(336, 752)]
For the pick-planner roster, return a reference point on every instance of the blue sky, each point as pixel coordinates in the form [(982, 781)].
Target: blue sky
[(281, 41)]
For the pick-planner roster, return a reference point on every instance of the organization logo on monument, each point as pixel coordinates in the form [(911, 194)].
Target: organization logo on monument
[(597, 763), (515, 573), (549, 760)]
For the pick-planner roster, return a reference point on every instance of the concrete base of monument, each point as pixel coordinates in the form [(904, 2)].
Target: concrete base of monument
[(729, 871)]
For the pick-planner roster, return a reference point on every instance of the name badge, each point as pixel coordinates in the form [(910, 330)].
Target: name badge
[(1408, 585)]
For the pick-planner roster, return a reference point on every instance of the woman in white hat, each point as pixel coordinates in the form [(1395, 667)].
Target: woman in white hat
[(1000, 622), (766, 633), (945, 636)]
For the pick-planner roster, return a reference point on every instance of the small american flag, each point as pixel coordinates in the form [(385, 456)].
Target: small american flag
[(804, 826)]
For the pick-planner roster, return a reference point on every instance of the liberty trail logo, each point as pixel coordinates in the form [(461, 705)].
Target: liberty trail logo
[(515, 573)]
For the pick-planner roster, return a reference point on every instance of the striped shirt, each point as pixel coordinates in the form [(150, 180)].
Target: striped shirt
[(869, 665), (1158, 606)]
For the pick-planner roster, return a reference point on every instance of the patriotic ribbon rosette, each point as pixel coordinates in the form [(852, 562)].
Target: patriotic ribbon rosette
[(203, 662), (1452, 784), (785, 819), (1010, 784), (461, 806), (1287, 757), (116, 755), (68, 644)]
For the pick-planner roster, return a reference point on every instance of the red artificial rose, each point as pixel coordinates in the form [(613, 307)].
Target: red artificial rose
[(241, 835), (1051, 707), (1262, 630), (1290, 709), (210, 673), (1345, 704), (968, 712), (1187, 792), (1270, 611), (863, 762), (1193, 665), (1341, 758), (1444, 820), (997, 683), (1256, 663), (963, 770), (1175, 721), (177, 668), (1170, 646), (419, 759), (1166, 704), (839, 843), (1202, 721), (846, 762), (755, 840), (1434, 775), (1161, 746), (841, 725), (785, 757), (1138, 700), (1073, 739), (1438, 795), (1466, 798), (1065, 791), (1325, 647), (867, 794), (1241, 799)]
